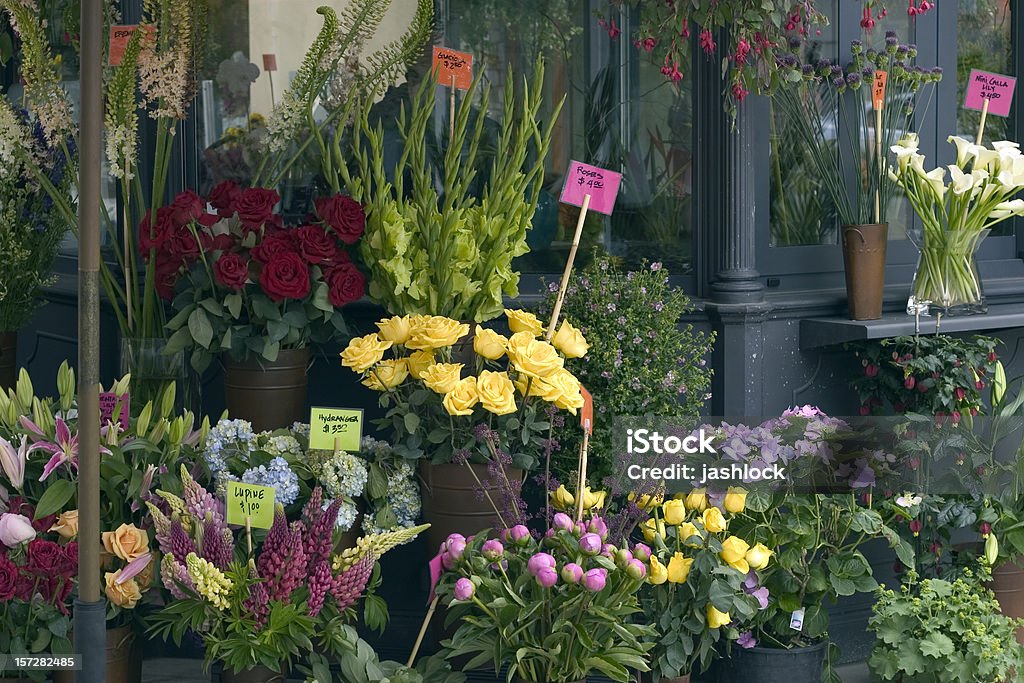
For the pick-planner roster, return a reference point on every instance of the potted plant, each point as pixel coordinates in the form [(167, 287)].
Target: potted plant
[(553, 610), (825, 96), (956, 217), (261, 293), (259, 609), (943, 630), (473, 425)]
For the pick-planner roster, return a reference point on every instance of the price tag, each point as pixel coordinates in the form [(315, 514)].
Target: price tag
[(270, 62), (601, 184), (878, 89), (997, 89), (119, 37), (111, 402), (252, 501), (449, 64), (796, 622), (328, 426), (587, 414)]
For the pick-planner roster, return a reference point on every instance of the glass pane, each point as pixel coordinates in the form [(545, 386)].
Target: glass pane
[(982, 42)]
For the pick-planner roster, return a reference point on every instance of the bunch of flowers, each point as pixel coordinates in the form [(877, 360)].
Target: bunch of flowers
[(267, 609), (489, 414), (553, 610), (131, 564), (705, 582), (246, 283), (981, 193)]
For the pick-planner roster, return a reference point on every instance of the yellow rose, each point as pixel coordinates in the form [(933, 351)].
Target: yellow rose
[(518, 342), (362, 353), (463, 396), (715, 618), (125, 595), (647, 501), (387, 374), (435, 332), (697, 500), (497, 395), (489, 344), (688, 530), (673, 511), (524, 321), (735, 500), (395, 330), (713, 520), (126, 542), (734, 553), (570, 341), (67, 524), (569, 397), (679, 568), (651, 528), (537, 359), (658, 574), (419, 361), (759, 556), (561, 499), (592, 500), (442, 377)]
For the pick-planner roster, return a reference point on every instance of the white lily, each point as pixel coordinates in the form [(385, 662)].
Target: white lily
[(963, 153), (935, 178), (903, 155), (984, 157), (13, 461), (960, 182)]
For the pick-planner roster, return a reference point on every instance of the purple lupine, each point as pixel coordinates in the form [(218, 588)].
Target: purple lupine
[(319, 541), (320, 582), (180, 543), (290, 563), (215, 549), (350, 584), (199, 501), (258, 604), (172, 573), (275, 547), (312, 512), (162, 526)]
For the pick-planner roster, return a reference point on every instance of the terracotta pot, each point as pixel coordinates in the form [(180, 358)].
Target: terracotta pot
[(864, 260), (1008, 585), (270, 394), (770, 665), (450, 502), (8, 362), (257, 674)]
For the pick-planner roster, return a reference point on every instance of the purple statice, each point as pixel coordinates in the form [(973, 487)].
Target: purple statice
[(217, 546), (320, 584), (258, 604), (180, 542)]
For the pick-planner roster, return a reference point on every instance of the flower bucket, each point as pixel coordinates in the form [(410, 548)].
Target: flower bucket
[(8, 360), (257, 674), (269, 394), (771, 665), (124, 659), (864, 262), (1008, 586), (947, 278), (153, 369)]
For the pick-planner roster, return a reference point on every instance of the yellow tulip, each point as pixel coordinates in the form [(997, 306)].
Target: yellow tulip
[(759, 556), (687, 531), (735, 500), (697, 500), (714, 521), (524, 321), (658, 574), (734, 553), (593, 499), (673, 511), (395, 330), (647, 501), (570, 341), (561, 499), (715, 618), (679, 568), (651, 528)]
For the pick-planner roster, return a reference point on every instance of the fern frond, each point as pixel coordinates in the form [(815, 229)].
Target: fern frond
[(388, 64)]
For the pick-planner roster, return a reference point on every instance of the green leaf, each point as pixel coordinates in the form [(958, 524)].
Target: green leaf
[(179, 341), (320, 299), (270, 350), (200, 328), (58, 493), (264, 308), (412, 422), (937, 645), (234, 304)]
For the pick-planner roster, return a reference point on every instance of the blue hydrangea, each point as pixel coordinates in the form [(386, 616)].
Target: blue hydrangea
[(347, 513), (278, 474), (341, 473), (281, 445), (225, 438)]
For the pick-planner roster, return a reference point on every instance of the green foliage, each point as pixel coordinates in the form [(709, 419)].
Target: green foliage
[(29, 238), (642, 360), (34, 628), (941, 630)]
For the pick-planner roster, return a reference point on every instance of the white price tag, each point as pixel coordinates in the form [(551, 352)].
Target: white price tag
[(796, 622)]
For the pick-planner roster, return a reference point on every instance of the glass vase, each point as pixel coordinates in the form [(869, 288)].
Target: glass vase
[(153, 369), (947, 281)]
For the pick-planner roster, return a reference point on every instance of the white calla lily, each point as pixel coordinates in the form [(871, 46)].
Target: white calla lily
[(1001, 145), (963, 145), (960, 182), (935, 178), (903, 155)]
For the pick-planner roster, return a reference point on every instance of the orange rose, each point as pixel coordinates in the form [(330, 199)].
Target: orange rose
[(127, 542)]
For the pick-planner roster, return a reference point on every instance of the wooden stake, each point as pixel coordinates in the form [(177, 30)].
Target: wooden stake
[(248, 533), (337, 444), (583, 475), (568, 267), (981, 125), (270, 75), (881, 164), (451, 112), (423, 631)]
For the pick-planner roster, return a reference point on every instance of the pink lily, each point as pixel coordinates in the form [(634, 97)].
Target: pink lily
[(13, 461), (65, 450), (34, 432), (133, 568)]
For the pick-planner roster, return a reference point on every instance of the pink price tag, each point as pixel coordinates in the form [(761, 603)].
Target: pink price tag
[(270, 62), (119, 37), (996, 88), (435, 576), (587, 414), (109, 403), (601, 184)]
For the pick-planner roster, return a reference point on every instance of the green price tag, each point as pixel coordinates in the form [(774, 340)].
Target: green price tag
[(331, 428), (252, 501)]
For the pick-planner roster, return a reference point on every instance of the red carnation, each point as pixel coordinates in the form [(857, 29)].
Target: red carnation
[(153, 236), (346, 284), (274, 244), (315, 245), (344, 215), (45, 558), (8, 579), (224, 196), (231, 270), (255, 206), (286, 276), (187, 207)]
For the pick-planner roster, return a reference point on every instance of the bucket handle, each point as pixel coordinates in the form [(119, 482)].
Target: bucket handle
[(863, 240)]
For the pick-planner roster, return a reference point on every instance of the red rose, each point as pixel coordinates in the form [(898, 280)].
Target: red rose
[(223, 242), (154, 236), (286, 276), (187, 207), (208, 220), (346, 284), (231, 270), (45, 558), (8, 579), (43, 524), (70, 560), (166, 277), (25, 587), (344, 215), (274, 244), (181, 245), (255, 206), (224, 196), (315, 245)]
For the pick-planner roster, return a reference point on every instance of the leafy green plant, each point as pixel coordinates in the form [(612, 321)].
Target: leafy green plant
[(360, 664), (940, 630)]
